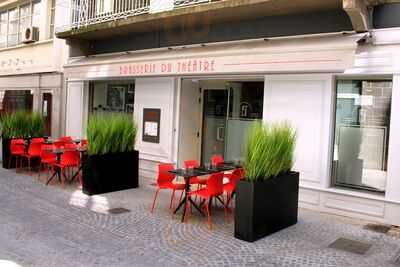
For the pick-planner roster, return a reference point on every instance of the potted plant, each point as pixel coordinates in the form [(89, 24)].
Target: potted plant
[(20, 124), (112, 164), (267, 199)]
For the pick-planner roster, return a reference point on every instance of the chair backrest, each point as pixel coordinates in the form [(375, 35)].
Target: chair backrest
[(66, 139), (191, 164), (215, 184), (217, 159), (71, 146), (70, 158), (35, 149), (236, 175), (37, 140), (59, 143), (163, 175), (45, 152), (84, 142), (17, 146)]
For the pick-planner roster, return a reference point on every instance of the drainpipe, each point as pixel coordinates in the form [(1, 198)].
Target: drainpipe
[(357, 10)]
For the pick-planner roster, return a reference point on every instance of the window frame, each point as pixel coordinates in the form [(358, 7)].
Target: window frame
[(369, 78)]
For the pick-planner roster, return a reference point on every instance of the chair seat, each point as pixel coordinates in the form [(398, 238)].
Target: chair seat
[(49, 161), (204, 193), (18, 153), (196, 180), (229, 188)]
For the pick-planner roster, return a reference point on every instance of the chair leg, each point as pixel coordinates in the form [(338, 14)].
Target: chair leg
[(208, 214), (154, 200), (172, 199)]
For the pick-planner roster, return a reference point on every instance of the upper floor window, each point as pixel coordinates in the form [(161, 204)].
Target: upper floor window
[(52, 17), (14, 21)]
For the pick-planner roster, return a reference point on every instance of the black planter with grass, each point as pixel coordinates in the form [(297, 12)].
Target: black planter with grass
[(267, 199), (265, 207), (19, 124), (110, 172), (112, 164), (6, 154)]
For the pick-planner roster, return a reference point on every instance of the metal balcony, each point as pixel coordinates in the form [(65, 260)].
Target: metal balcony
[(87, 12), (182, 3)]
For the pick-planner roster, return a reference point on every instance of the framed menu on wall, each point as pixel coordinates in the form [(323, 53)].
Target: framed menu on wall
[(151, 125)]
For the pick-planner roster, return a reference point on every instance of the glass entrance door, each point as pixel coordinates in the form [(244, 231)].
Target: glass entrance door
[(214, 123), (227, 116)]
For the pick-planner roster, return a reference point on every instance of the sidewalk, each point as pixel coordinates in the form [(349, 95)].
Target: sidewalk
[(50, 226)]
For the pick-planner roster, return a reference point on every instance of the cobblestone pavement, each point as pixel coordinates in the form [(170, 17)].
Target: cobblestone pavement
[(49, 226)]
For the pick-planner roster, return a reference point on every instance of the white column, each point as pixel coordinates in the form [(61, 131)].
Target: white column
[(393, 174), (75, 109)]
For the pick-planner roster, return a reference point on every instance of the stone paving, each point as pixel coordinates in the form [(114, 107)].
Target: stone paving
[(49, 226)]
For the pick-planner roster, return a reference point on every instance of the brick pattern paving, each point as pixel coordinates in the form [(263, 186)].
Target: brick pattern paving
[(49, 226)]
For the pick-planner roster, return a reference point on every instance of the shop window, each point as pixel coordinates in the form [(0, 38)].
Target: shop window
[(111, 97), (362, 134), (13, 100)]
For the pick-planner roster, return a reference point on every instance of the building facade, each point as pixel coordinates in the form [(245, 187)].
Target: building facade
[(196, 74), (31, 60)]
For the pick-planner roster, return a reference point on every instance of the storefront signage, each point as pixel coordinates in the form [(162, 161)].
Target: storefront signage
[(178, 67), (151, 125)]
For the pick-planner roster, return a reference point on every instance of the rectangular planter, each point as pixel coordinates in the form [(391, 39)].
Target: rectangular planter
[(263, 208), (110, 172), (6, 153)]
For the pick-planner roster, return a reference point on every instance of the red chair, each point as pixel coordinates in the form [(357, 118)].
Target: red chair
[(213, 190), (84, 143), (37, 140), (217, 159), (66, 139), (47, 158), (34, 151), (17, 149), (59, 143), (69, 159), (164, 181), (194, 164), (230, 187)]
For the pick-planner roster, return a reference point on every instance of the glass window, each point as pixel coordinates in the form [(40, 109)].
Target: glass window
[(3, 29), (52, 17), (111, 97), (36, 14), (13, 27), (13, 100), (362, 134), (25, 20)]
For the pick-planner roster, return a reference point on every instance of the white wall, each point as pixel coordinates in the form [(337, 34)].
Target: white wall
[(75, 114), (155, 93), (305, 101)]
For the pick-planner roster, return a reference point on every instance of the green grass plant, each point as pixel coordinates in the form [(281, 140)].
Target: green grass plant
[(22, 124), (269, 150), (111, 133)]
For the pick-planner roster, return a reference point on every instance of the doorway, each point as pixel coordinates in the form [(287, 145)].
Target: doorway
[(215, 116), (47, 106)]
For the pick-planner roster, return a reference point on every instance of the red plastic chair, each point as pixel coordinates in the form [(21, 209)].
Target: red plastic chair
[(34, 151), (84, 143), (59, 143), (230, 187), (66, 139), (17, 149), (69, 159), (47, 158), (217, 159), (164, 181), (213, 190), (37, 140), (194, 164)]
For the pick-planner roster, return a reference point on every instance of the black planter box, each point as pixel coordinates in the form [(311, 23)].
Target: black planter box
[(110, 172), (263, 208), (6, 153)]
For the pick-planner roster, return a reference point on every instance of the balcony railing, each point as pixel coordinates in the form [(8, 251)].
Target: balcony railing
[(179, 3), (87, 12)]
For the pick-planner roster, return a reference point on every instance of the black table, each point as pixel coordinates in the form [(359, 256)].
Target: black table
[(200, 171), (57, 171)]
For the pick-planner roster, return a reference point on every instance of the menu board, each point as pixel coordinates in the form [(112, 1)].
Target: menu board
[(151, 125)]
